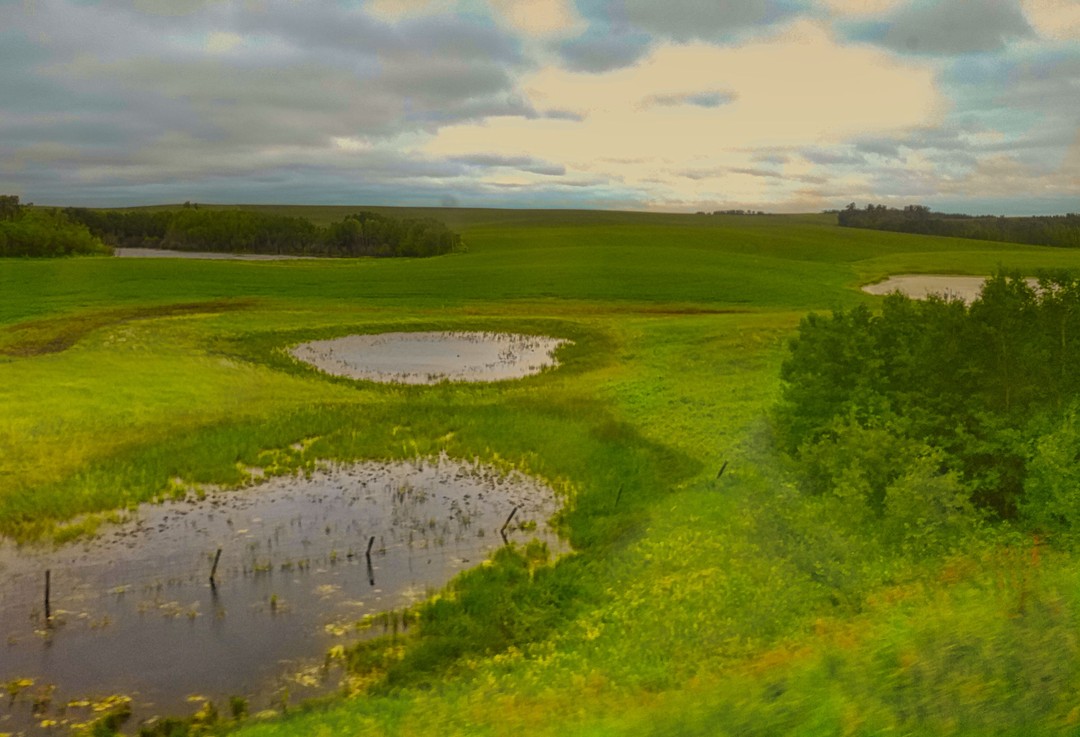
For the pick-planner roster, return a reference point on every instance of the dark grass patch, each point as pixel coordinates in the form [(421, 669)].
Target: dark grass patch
[(56, 334)]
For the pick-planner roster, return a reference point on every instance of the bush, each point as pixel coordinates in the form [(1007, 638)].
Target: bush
[(1052, 487), (42, 232)]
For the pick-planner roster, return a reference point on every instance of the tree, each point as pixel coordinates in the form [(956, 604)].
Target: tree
[(1052, 488), (9, 207)]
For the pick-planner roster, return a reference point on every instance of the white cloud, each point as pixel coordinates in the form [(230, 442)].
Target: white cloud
[(534, 18), (219, 42), (797, 88), (351, 144), (538, 18), (1005, 175), (1056, 19), (397, 10), (173, 8), (860, 7)]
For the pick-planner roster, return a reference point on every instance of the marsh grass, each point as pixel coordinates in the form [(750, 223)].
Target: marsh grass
[(53, 335)]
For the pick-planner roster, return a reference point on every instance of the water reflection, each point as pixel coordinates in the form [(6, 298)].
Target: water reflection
[(134, 611)]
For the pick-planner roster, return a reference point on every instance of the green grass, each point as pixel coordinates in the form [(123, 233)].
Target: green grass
[(693, 605)]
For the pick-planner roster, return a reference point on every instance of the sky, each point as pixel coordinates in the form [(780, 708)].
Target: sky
[(665, 105)]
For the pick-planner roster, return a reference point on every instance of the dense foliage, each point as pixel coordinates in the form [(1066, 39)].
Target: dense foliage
[(240, 231), (1056, 230), (36, 231), (976, 400)]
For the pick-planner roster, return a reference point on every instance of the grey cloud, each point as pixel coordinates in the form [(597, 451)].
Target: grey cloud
[(885, 147), (522, 163), (602, 53), (695, 99), (837, 156), (764, 173), (390, 183), (107, 96), (685, 20), (445, 83), (261, 96), (1031, 96), (1051, 83), (561, 115), (709, 173), (775, 159), (767, 174), (699, 174), (354, 33), (950, 27)]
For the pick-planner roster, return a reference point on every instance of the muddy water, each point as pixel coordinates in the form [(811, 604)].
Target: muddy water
[(919, 286), (134, 612), (430, 357)]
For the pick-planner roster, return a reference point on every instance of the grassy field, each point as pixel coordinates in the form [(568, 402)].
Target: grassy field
[(693, 605)]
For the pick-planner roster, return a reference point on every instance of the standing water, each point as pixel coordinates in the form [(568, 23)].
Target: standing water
[(428, 358), (134, 611)]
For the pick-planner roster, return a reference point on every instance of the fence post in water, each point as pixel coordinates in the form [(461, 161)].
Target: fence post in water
[(370, 568), (48, 608), (502, 530), (213, 569)]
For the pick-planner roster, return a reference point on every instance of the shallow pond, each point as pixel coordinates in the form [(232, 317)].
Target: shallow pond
[(431, 357), (919, 286), (134, 612)]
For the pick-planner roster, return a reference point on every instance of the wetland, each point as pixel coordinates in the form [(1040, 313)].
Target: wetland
[(135, 612)]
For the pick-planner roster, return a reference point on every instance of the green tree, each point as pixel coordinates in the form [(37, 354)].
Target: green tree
[(1051, 498), (10, 208)]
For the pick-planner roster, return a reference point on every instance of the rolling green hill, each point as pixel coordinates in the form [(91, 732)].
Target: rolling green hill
[(694, 604)]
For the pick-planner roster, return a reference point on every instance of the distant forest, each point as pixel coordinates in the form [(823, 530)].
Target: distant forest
[(1056, 230), (192, 228)]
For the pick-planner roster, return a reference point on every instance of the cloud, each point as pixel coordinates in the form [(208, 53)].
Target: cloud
[(621, 103), (1004, 175), (294, 76), (620, 32), (696, 99), (603, 52), (1056, 19), (1029, 97), (698, 107), (857, 8), (538, 18), (522, 163), (395, 10), (111, 96), (352, 34), (534, 18), (221, 42), (689, 20), (947, 27)]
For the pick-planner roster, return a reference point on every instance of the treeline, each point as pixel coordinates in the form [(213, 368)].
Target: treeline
[(1057, 230), (38, 231), (240, 231), (933, 414)]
